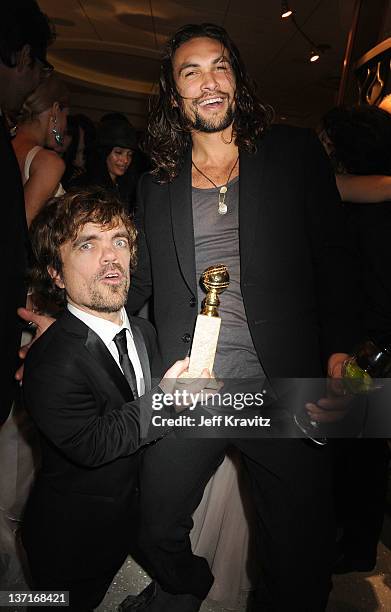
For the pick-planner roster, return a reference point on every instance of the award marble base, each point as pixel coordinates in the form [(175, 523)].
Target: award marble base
[(204, 345)]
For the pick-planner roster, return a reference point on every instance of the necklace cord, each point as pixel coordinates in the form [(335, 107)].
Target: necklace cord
[(210, 180), (222, 209)]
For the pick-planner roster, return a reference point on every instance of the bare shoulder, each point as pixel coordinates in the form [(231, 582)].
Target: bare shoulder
[(46, 160)]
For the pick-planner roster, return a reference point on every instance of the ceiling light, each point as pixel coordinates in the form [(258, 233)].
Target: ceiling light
[(314, 56), (285, 10), (317, 49)]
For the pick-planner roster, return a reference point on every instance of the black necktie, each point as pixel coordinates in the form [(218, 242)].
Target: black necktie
[(124, 360)]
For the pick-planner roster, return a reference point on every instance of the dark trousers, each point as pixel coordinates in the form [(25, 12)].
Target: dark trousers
[(291, 489), (360, 486), (77, 543)]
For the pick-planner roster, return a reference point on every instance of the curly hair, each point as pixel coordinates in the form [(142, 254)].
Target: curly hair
[(168, 132), (60, 220)]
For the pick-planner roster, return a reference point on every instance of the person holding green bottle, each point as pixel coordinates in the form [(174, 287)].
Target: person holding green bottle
[(359, 144)]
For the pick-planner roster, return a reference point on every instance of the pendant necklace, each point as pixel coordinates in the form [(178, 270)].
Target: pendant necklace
[(222, 190)]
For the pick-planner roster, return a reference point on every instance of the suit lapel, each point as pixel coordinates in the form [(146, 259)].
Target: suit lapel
[(182, 223), (250, 202), (106, 365), (251, 198), (142, 354), (98, 350)]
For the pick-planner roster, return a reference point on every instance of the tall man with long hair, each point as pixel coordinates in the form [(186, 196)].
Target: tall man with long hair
[(227, 187)]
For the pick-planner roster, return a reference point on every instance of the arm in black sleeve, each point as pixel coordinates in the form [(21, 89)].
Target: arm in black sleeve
[(66, 411), (335, 263)]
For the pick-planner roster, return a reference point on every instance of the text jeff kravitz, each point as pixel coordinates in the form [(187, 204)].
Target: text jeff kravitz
[(213, 421)]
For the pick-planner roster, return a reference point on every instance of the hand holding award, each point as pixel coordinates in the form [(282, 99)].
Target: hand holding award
[(214, 280)]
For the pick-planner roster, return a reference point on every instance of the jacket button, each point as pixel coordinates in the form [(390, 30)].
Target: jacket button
[(192, 302), (186, 338)]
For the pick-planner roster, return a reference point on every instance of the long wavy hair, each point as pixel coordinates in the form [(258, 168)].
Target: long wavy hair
[(168, 135), (60, 220)]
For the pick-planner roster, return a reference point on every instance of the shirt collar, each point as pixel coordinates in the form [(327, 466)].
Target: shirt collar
[(105, 329)]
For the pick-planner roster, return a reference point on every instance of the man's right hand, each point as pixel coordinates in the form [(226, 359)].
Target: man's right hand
[(42, 323), (177, 369), (187, 387)]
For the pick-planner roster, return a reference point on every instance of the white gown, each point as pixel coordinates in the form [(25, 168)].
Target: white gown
[(221, 531), (19, 460)]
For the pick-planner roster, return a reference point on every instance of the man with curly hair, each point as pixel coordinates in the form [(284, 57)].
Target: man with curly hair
[(88, 386)]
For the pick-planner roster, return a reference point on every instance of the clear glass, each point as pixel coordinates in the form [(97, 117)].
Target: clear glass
[(361, 373)]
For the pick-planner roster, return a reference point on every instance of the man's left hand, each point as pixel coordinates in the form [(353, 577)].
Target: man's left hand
[(333, 407)]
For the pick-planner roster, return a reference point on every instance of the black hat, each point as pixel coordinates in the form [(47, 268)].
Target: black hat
[(116, 133)]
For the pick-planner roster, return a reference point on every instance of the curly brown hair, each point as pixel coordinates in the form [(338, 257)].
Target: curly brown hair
[(60, 220), (168, 132)]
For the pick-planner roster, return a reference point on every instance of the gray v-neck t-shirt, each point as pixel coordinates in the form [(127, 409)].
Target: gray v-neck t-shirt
[(216, 239)]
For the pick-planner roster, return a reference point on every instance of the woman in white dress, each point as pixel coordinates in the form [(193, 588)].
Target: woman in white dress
[(40, 130)]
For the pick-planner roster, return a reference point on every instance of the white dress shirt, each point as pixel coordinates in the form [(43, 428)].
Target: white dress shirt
[(106, 330)]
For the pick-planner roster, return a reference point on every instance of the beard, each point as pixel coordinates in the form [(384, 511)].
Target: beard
[(211, 126), (108, 298)]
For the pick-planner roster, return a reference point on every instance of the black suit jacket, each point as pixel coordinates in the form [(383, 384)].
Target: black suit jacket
[(370, 227), (79, 511), (296, 266), (14, 255)]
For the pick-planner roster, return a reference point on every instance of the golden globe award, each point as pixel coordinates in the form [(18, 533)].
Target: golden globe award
[(214, 280)]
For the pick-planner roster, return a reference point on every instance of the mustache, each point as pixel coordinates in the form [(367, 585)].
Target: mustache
[(113, 267), (216, 94)]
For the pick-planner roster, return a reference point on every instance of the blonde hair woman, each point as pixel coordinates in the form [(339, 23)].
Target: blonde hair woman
[(41, 127)]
